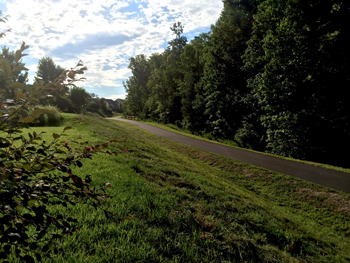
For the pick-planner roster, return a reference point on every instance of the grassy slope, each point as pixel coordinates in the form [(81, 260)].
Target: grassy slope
[(194, 206), (173, 128)]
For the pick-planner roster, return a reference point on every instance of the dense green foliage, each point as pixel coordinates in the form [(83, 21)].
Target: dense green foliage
[(271, 75), (79, 97), (48, 71)]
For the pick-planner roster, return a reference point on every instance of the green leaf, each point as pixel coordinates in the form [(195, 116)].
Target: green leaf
[(36, 113), (56, 136), (6, 66), (32, 203), (67, 128), (49, 166), (19, 209), (18, 55), (20, 68), (26, 119), (17, 85), (27, 167)]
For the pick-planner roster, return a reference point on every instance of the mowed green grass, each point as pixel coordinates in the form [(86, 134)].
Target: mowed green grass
[(193, 206)]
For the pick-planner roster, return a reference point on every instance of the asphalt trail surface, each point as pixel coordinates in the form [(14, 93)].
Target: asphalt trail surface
[(329, 178)]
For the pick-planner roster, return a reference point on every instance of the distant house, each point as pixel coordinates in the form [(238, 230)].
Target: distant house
[(120, 104), (117, 105)]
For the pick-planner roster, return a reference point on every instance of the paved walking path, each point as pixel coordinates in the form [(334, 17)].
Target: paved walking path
[(330, 178)]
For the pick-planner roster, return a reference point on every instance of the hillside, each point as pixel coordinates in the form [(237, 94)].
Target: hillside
[(194, 206)]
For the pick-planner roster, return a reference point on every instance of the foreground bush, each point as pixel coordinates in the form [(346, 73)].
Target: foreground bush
[(36, 174)]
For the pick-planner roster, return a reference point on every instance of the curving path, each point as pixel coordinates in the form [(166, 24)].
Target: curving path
[(329, 178)]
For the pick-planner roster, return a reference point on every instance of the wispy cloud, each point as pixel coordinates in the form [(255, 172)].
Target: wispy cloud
[(102, 33)]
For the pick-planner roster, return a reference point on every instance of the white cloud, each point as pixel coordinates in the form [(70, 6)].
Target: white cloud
[(102, 33), (114, 97), (32, 68)]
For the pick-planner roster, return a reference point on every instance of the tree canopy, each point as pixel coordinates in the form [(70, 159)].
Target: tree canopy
[(271, 75), (48, 71)]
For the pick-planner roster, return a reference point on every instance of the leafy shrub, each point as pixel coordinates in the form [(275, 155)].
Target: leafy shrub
[(53, 116), (35, 174), (54, 119)]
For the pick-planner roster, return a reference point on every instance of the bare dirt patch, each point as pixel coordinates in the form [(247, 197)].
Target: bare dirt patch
[(335, 201)]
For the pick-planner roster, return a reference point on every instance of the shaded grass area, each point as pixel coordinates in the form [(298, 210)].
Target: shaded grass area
[(210, 138), (193, 206)]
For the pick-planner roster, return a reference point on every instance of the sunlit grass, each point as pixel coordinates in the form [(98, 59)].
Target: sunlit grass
[(194, 206)]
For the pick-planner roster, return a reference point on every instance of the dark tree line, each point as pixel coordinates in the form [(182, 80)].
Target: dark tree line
[(272, 75)]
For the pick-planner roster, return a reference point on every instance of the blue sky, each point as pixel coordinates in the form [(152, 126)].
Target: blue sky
[(104, 34)]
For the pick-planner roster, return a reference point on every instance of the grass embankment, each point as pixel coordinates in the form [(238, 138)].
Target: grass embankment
[(194, 206), (206, 137)]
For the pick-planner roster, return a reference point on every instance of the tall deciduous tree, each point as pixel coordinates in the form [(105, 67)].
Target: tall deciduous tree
[(48, 71), (224, 81), (136, 86), (18, 67), (165, 99), (300, 54), (191, 66)]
